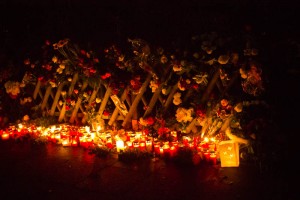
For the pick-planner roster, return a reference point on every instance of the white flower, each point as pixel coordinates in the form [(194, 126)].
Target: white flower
[(201, 78), (184, 115), (12, 87)]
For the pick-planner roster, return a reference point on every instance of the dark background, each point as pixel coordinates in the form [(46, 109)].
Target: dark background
[(27, 22)]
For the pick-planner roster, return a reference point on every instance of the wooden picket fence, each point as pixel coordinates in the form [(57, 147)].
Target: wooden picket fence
[(51, 96)]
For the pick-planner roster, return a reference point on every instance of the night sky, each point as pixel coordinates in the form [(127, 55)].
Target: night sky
[(28, 22)]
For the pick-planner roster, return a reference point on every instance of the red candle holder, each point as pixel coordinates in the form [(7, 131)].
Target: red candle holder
[(213, 158)]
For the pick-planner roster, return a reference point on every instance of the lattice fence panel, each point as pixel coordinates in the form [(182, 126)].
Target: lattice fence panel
[(126, 106)]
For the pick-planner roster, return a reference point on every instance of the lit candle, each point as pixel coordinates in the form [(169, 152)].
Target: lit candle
[(166, 147), (66, 142), (5, 136), (213, 158), (149, 145), (206, 156), (142, 146), (74, 142), (157, 147), (120, 145), (172, 150), (129, 144), (161, 150), (174, 134)]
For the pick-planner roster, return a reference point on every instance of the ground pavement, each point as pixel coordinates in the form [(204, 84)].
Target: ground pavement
[(50, 171)]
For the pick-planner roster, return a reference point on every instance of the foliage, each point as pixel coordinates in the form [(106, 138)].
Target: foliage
[(101, 152), (132, 155)]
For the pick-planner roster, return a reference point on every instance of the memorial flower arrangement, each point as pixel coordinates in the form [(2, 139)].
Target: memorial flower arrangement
[(183, 77)]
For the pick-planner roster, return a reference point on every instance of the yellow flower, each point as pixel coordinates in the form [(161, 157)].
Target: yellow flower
[(182, 88), (85, 95), (223, 59), (177, 68), (52, 83), (243, 73), (59, 70), (54, 59), (196, 55), (164, 59), (121, 58), (98, 100), (22, 85), (239, 107), (177, 101), (165, 91), (143, 122), (153, 85), (26, 118), (176, 98), (73, 103)]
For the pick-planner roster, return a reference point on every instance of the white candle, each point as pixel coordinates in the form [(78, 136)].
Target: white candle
[(120, 145)]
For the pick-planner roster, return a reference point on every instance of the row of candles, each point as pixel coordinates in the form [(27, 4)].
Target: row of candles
[(68, 135)]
